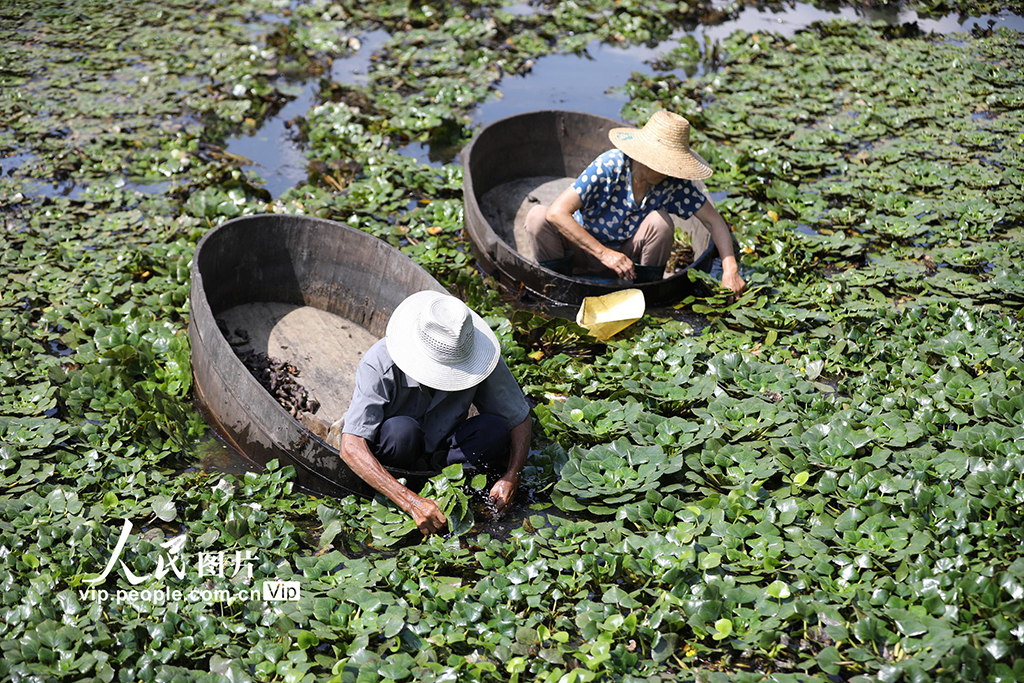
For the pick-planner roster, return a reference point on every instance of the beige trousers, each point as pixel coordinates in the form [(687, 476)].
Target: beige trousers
[(650, 245)]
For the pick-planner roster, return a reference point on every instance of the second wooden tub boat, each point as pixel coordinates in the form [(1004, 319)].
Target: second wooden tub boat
[(311, 293), (528, 159)]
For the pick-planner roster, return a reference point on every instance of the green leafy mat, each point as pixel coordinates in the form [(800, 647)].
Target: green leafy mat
[(824, 484)]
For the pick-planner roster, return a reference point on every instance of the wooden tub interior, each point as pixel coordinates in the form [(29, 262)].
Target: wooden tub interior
[(324, 347)]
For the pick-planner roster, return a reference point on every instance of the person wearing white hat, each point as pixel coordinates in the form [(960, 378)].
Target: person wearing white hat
[(410, 407), (616, 215)]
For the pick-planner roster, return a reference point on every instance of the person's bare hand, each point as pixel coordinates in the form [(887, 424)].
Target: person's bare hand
[(503, 493), (618, 263), (428, 517), (733, 281)]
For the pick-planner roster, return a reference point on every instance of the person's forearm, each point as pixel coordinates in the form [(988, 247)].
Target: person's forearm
[(722, 237), (519, 448), (729, 265), (560, 214), (424, 512), (356, 454), (575, 233)]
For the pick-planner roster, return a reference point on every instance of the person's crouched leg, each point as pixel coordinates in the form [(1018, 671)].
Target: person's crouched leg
[(481, 441), (651, 245), (400, 443)]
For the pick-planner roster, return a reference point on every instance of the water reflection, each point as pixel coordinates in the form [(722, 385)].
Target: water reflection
[(592, 81), (355, 68), (588, 82), (215, 455), (271, 149), (276, 156), (800, 15), (9, 164)]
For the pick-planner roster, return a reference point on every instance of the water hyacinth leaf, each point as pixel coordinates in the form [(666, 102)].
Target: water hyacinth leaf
[(813, 369), (909, 624), (516, 665), (616, 596), (566, 502), (710, 560), (207, 538), (613, 474), (306, 640), (867, 629), (394, 671), (849, 520), (664, 646), (164, 508), (723, 629), (828, 659), (332, 529), (997, 648), (778, 590)]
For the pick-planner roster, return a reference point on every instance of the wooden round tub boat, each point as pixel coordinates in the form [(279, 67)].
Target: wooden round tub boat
[(313, 293), (528, 159)]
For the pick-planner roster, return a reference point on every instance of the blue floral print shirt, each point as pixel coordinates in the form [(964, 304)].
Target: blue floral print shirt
[(610, 212)]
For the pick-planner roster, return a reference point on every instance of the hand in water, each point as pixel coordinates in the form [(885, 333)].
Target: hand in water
[(502, 494)]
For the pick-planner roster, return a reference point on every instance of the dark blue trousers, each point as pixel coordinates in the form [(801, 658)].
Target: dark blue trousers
[(481, 441)]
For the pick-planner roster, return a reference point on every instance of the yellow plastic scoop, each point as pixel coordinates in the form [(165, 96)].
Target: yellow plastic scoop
[(605, 316)]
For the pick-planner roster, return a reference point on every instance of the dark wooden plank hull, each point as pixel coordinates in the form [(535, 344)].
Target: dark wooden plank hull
[(296, 260), (545, 143)]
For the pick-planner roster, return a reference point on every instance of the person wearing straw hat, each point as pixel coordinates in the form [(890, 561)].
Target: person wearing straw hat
[(410, 406), (615, 216)]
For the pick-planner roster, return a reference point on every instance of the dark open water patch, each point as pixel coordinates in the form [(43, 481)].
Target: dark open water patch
[(272, 149)]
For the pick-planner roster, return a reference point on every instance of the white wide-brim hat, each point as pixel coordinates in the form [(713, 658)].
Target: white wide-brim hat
[(663, 144), (439, 342)]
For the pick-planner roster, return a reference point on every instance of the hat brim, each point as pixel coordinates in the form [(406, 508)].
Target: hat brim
[(675, 163), (409, 355)]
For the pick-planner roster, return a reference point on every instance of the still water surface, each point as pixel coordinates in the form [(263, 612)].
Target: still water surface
[(587, 82)]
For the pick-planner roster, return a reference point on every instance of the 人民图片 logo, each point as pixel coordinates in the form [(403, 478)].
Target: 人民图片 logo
[(236, 567)]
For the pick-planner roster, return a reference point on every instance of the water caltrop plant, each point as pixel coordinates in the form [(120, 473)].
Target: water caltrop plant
[(822, 482)]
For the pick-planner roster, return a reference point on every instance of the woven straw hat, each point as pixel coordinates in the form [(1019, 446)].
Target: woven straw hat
[(435, 339), (663, 144)]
